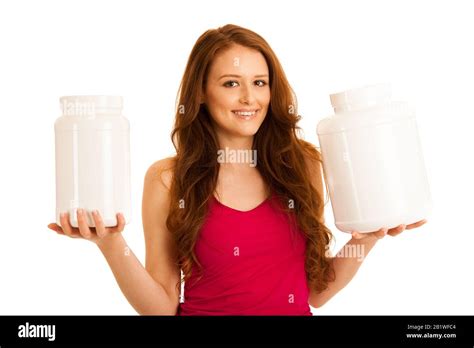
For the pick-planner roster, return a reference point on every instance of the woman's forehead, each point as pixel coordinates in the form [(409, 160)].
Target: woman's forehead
[(239, 60)]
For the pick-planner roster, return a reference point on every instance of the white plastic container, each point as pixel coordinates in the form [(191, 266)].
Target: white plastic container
[(92, 159), (373, 162)]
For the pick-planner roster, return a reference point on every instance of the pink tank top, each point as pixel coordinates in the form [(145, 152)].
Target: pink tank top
[(253, 264)]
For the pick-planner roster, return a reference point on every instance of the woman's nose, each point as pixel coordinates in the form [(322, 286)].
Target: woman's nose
[(247, 96)]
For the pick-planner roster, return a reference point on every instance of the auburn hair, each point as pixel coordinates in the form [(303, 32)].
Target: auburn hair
[(283, 157)]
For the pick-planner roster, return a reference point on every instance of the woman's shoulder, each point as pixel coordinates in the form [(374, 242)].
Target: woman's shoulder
[(161, 172)]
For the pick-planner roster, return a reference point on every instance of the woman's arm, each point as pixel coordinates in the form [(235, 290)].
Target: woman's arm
[(348, 260), (144, 294), (150, 289), (346, 263)]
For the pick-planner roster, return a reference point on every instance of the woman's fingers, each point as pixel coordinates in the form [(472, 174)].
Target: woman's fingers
[(56, 228), (82, 223), (53, 227), (83, 230), (384, 231), (357, 235), (381, 233), (99, 224), (416, 224), (397, 230), (377, 234), (120, 224), (67, 228)]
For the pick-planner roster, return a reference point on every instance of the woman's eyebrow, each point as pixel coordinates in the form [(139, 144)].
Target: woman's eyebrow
[(233, 75)]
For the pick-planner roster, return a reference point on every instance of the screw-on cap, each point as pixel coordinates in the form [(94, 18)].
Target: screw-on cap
[(358, 98), (90, 104)]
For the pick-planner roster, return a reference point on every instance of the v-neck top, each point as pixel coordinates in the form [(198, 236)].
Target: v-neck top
[(253, 263)]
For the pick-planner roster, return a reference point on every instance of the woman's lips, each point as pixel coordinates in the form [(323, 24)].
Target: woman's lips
[(246, 114)]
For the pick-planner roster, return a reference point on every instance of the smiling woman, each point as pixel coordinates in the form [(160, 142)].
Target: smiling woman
[(248, 235), (225, 92), (249, 240)]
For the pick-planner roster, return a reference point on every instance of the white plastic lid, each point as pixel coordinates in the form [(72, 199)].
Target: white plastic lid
[(90, 104), (363, 97)]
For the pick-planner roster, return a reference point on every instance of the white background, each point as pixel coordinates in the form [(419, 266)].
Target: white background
[(138, 49)]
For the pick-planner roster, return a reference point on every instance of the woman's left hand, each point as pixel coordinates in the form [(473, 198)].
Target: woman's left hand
[(384, 231)]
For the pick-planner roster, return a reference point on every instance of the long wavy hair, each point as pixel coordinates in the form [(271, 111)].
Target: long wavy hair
[(282, 157)]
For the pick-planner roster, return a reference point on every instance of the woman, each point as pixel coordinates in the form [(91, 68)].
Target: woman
[(240, 208)]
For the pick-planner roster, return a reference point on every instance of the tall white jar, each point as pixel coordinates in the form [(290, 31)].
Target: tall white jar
[(372, 160), (92, 144)]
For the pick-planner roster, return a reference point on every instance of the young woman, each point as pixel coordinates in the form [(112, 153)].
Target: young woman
[(248, 235)]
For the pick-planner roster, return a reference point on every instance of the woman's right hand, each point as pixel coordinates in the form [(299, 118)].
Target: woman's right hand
[(97, 235)]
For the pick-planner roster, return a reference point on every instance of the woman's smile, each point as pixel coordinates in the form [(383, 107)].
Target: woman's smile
[(246, 114)]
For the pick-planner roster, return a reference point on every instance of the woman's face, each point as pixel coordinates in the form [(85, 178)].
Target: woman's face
[(237, 93)]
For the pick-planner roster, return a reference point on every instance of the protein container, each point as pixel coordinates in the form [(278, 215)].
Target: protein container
[(372, 161), (92, 159)]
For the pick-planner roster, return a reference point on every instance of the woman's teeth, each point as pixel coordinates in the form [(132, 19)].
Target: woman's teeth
[(245, 114)]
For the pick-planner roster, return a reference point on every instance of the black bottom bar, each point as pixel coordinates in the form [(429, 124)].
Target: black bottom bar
[(76, 331)]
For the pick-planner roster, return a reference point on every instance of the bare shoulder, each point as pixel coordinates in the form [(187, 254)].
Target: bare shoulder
[(160, 173), (161, 251)]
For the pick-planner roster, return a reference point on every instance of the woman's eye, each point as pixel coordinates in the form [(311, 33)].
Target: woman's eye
[(259, 83), (228, 83)]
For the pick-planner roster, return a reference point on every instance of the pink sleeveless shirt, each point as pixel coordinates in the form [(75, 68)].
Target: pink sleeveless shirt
[(253, 264)]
